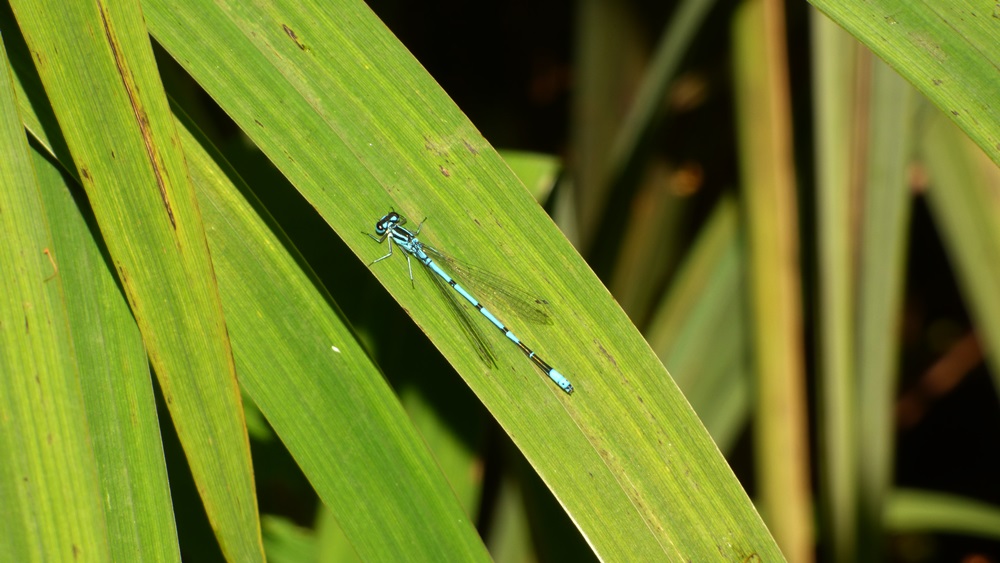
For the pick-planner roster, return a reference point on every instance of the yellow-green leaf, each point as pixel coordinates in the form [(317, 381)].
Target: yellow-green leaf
[(97, 67), (115, 378), (946, 48), (773, 272), (48, 474)]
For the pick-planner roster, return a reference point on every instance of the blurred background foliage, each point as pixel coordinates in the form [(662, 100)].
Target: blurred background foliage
[(807, 243)]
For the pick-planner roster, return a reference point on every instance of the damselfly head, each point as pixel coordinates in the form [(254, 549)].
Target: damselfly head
[(386, 223)]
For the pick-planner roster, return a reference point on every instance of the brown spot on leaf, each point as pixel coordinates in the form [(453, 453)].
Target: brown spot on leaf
[(436, 148), (927, 44), (294, 37), (445, 172), (606, 354)]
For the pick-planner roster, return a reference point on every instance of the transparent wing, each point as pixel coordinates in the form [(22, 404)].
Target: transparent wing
[(491, 288), (460, 309)]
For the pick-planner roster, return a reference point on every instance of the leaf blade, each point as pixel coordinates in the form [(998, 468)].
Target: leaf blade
[(112, 111), (48, 475), (944, 48), (358, 127)]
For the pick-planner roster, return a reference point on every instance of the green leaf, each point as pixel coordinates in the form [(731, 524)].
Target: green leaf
[(286, 542), (48, 473), (882, 250), (773, 273), (96, 65), (358, 127), (270, 299), (536, 171), (115, 379), (913, 510), (835, 58), (946, 48)]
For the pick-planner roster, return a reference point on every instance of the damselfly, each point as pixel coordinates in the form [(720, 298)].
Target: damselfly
[(390, 227)]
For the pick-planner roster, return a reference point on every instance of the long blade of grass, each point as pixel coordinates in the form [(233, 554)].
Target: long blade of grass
[(914, 510), (835, 107), (48, 474), (881, 276), (652, 242), (945, 48), (96, 64), (115, 377), (358, 126), (767, 174)]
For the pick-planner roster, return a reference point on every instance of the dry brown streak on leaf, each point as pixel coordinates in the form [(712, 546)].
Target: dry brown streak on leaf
[(140, 115)]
